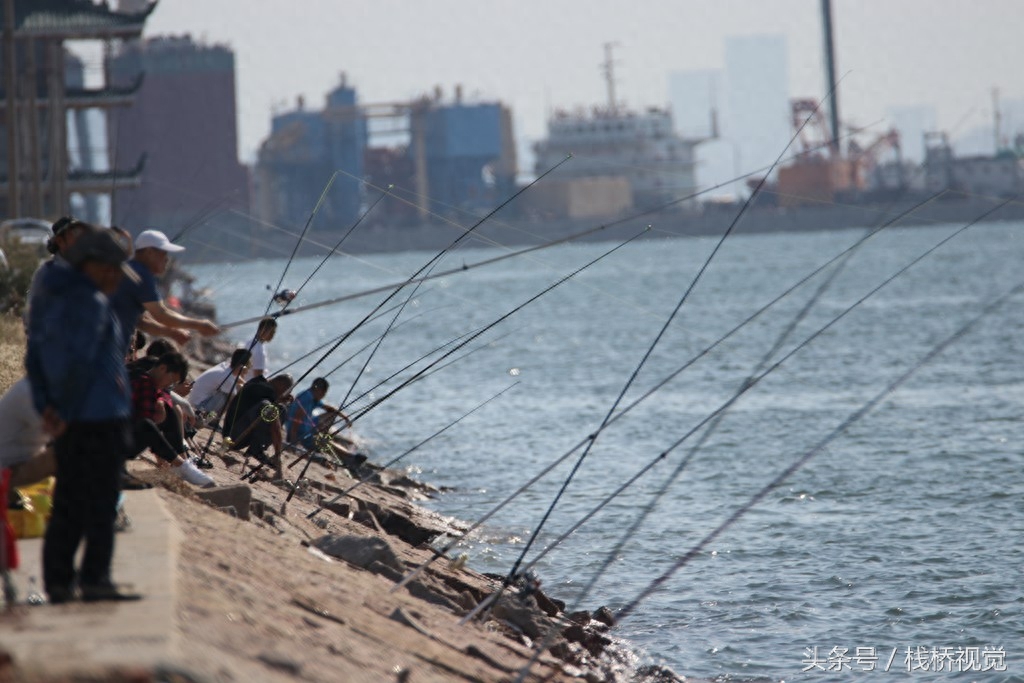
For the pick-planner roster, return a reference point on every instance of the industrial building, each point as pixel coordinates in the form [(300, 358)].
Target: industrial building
[(184, 120), (42, 85), (456, 156)]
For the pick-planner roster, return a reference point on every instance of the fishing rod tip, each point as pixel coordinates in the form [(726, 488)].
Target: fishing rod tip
[(649, 227), (569, 156), (391, 186)]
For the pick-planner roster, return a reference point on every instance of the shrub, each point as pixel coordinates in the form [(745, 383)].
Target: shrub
[(15, 278)]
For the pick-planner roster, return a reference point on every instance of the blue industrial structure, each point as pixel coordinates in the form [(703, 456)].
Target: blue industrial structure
[(459, 156), (461, 142), (303, 152)]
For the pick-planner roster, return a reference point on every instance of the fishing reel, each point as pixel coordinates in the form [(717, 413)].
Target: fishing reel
[(322, 443), (270, 412), (528, 583), (284, 297)]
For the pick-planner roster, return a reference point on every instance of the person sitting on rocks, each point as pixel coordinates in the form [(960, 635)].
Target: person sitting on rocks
[(252, 419), (211, 389), (303, 421), (265, 332), (151, 406)]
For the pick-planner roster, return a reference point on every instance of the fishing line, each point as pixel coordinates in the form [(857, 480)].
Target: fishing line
[(380, 339), (256, 335), (465, 355), (302, 235), (390, 463), (526, 250), (434, 276), (434, 259), (857, 415), (513, 572), (752, 381), (373, 404), (331, 253), (352, 386), (650, 392), (330, 341), (363, 411)]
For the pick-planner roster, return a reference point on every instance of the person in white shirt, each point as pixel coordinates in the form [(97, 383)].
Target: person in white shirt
[(23, 446), (265, 332), (210, 390)]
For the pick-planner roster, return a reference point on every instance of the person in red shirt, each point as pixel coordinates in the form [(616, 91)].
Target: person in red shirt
[(151, 404)]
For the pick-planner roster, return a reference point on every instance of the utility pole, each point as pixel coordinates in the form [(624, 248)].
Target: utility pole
[(609, 75), (830, 76)]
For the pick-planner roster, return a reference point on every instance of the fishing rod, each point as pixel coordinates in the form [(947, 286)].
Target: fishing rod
[(363, 411), (390, 463), (422, 268), (302, 235), (342, 407), (255, 338), (513, 572), (795, 466), (667, 484), (715, 420), (527, 250), (327, 430), (331, 253), (373, 404), (434, 259), (412, 574), (712, 427), (386, 465), (748, 384), (330, 341)]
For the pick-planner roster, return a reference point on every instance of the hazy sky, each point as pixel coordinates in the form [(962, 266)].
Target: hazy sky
[(537, 55)]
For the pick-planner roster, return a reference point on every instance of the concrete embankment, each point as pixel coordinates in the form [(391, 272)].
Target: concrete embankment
[(240, 586)]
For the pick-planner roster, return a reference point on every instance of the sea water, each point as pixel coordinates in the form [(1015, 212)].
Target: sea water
[(894, 553)]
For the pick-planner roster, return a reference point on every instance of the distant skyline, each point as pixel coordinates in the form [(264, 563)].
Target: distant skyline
[(535, 57)]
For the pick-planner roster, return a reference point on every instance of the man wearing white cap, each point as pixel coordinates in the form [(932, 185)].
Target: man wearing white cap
[(152, 254)]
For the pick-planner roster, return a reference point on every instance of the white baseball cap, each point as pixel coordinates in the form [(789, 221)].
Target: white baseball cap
[(154, 239)]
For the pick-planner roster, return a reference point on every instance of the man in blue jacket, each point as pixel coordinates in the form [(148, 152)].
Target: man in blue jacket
[(75, 364)]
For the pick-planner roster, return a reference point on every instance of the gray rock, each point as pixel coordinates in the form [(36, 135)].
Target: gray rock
[(360, 551)]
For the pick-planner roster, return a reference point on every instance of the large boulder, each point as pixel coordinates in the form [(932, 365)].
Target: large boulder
[(361, 551)]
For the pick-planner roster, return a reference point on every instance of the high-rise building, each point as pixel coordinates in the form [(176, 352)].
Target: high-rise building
[(184, 120), (757, 111), (697, 105)]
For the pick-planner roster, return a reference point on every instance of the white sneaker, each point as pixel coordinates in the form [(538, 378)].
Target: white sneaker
[(193, 475)]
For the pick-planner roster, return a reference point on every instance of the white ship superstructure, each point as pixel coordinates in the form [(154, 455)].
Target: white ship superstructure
[(642, 147), (617, 144)]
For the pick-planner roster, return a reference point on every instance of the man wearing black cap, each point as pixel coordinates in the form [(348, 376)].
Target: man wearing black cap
[(75, 364)]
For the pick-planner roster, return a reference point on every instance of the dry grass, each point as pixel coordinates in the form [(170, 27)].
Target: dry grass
[(12, 351)]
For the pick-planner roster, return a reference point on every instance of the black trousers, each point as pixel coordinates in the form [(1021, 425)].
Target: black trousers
[(251, 432), (147, 434), (89, 456)]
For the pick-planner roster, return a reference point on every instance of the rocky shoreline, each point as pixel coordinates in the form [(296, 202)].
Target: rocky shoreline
[(263, 593)]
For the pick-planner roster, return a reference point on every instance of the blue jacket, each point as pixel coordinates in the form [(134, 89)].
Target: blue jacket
[(75, 353)]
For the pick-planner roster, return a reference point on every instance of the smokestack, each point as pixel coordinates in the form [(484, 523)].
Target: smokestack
[(830, 75)]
